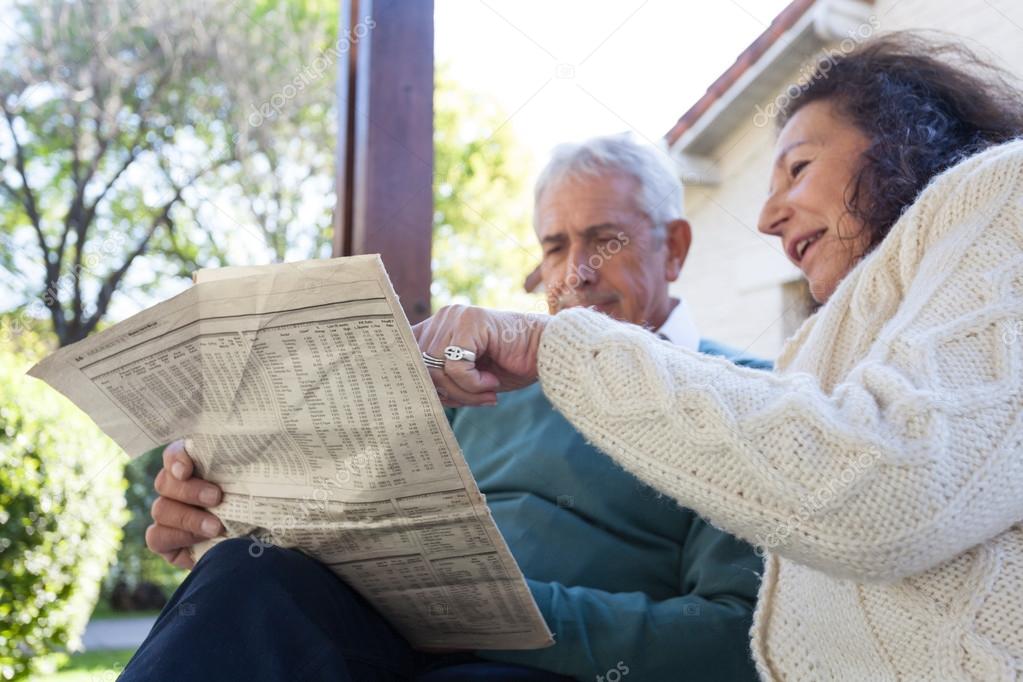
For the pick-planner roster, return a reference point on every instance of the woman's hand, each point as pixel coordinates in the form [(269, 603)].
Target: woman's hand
[(505, 344)]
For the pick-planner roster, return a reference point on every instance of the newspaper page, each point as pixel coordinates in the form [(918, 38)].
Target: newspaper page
[(301, 392)]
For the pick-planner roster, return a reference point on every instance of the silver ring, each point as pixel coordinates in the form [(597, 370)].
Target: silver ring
[(433, 362), (459, 353)]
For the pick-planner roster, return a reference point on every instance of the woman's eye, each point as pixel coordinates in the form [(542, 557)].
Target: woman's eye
[(798, 166), (552, 250)]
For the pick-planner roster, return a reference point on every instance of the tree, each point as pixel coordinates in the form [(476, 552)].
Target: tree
[(93, 98), (285, 131), (121, 121), (141, 140), (483, 244)]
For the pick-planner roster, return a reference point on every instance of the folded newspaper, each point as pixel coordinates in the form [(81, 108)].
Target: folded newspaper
[(301, 392)]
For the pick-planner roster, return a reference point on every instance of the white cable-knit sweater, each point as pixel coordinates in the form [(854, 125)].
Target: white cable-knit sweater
[(881, 465)]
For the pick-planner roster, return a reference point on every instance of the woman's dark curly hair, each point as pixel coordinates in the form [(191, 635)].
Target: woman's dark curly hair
[(924, 105)]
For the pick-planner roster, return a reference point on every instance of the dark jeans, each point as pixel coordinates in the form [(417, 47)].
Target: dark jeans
[(284, 616)]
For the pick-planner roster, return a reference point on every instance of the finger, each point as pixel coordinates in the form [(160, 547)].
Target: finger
[(461, 382), (455, 394), (469, 378), (164, 539), (419, 329), (168, 512), (452, 403), (445, 401), (194, 491), (433, 336), (426, 330), (177, 461), (181, 558)]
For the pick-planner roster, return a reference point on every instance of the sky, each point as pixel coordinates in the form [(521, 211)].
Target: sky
[(565, 70)]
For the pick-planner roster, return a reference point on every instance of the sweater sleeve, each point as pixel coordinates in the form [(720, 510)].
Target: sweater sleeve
[(702, 634), (911, 457)]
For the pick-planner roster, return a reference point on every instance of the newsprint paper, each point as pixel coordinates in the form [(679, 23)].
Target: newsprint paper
[(302, 393)]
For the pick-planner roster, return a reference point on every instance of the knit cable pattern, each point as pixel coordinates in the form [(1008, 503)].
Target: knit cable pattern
[(880, 466)]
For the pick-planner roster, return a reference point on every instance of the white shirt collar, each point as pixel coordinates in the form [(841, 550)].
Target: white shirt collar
[(680, 328)]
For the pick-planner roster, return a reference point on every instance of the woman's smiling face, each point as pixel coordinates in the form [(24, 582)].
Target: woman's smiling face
[(816, 159)]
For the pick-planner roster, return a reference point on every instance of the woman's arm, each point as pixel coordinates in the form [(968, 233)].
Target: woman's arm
[(914, 456)]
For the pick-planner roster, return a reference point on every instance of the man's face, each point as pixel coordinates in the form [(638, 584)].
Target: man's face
[(600, 249)]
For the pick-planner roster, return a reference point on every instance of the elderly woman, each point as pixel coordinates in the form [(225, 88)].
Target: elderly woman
[(881, 466)]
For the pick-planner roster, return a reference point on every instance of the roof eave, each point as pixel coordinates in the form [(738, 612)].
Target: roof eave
[(808, 28)]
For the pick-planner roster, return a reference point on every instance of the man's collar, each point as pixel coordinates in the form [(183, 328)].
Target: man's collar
[(680, 328)]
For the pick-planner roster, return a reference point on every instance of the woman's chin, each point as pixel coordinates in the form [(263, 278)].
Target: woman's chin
[(821, 289)]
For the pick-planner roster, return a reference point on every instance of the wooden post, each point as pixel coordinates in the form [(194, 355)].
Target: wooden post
[(385, 142)]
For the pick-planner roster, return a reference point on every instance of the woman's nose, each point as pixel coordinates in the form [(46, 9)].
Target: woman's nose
[(773, 215)]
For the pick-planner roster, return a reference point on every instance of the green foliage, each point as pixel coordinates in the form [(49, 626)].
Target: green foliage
[(140, 140), (88, 666), (26, 337), (285, 128), (61, 507), (128, 155), (98, 108), (135, 563), (141, 161), (484, 244)]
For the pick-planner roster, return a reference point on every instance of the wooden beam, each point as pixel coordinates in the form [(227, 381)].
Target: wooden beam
[(385, 142)]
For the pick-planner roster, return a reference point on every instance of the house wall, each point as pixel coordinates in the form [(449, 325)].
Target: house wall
[(739, 284)]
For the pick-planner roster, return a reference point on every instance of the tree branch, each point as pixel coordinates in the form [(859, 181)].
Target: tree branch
[(104, 142), (27, 198), (82, 217), (75, 210), (113, 280), (133, 153), (50, 298)]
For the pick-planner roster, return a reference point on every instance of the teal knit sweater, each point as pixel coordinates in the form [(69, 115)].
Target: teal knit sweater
[(627, 580)]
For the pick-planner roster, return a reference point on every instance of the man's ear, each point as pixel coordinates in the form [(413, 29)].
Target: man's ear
[(678, 237)]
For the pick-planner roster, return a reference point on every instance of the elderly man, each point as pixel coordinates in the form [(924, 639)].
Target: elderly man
[(631, 584)]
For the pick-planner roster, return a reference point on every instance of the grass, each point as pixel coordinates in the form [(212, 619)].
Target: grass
[(104, 612), (93, 666), (89, 666)]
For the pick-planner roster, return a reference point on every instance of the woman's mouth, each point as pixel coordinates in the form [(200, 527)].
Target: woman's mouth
[(805, 244)]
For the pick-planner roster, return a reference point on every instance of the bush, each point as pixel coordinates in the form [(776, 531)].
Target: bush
[(138, 571), (61, 507)]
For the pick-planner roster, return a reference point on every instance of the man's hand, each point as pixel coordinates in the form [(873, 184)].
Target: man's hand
[(180, 520), (505, 344)]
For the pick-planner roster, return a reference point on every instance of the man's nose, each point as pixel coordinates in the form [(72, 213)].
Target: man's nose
[(581, 267)]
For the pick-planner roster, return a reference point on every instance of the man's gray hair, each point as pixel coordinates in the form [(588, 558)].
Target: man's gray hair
[(659, 186)]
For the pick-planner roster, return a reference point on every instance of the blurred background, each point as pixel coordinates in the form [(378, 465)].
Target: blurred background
[(142, 140)]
